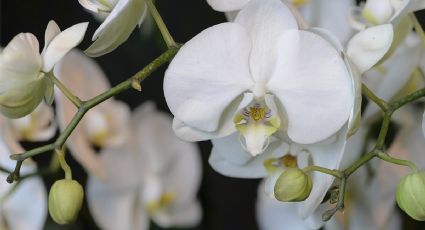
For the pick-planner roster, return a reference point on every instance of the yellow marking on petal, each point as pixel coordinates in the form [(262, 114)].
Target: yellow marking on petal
[(368, 15), (257, 113), (270, 166), (289, 161), (238, 118), (165, 200), (99, 138), (299, 3)]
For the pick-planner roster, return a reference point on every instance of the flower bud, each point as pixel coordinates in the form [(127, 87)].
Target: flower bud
[(65, 200), (293, 185), (411, 195)]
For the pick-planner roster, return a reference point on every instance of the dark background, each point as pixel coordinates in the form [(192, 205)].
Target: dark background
[(228, 203)]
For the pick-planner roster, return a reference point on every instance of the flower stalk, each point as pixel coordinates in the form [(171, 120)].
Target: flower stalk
[(161, 25), (87, 105)]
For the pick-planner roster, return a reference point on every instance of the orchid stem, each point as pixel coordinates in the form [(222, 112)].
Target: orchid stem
[(74, 99), (371, 96), (384, 156), (65, 167), (331, 172), (87, 105), (161, 25)]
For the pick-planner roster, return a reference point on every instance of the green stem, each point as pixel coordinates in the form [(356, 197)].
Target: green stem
[(418, 28), (87, 105), (357, 164), (331, 172), (161, 25), (65, 167), (407, 99), (74, 99), (384, 156), (371, 96)]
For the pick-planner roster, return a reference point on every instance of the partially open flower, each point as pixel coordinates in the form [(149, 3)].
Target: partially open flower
[(23, 69), (65, 201), (293, 185), (121, 17), (410, 195)]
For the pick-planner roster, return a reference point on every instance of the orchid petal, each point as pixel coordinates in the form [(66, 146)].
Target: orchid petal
[(331, 15), (114, 208), (265, 21), (20, 59), (226, 5), (314, 86), (221, 76), (52, 31), (83, 77), (90, 5), (117, 27), (240, 168), (62, 44), (367, 47), (328, 156), (29, 202), (378, 11), (185, 215)]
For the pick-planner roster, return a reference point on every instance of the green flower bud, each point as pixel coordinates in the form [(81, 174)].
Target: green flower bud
[(65, 201), (293, 185), (411, 195)]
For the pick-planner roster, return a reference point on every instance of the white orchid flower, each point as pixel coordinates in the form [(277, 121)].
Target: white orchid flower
[(22, 68), (103, 126), (122, 16), (259, 76), (230, 159), (156, 178), (28, 200)]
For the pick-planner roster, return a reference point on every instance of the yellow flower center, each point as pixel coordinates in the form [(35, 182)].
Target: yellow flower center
[(165, 200), (257, 113), (289, 161)]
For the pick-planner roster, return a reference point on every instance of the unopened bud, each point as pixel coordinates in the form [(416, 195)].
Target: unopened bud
[(293, 185), (65, 201), (411, 195)]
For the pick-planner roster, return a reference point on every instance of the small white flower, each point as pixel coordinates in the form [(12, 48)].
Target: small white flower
[(122, 16), (156, 177), (22, 68), (103, 126)]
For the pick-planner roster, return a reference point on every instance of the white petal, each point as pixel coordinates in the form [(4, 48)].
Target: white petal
[(179, 216), (226, 5), (328, 156), (29, 202), (62, 44), (85, 79), (314, 85), (90, 5), (274, 215), (20, 60), (378, 11), (114, 208), (240, 168), (331, 15), (265, 21), (367, 47), (52, 31), (117, 27), (209, 72)]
